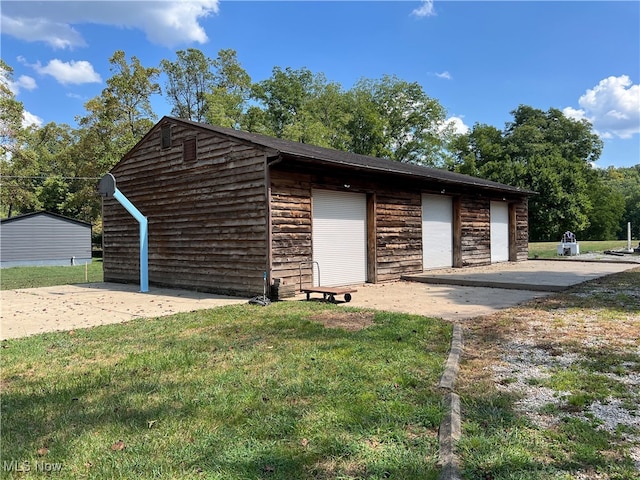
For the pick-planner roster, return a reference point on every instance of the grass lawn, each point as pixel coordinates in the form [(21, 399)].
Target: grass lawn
[(240, 392), (551, 389), (31, 277), (550, 249)]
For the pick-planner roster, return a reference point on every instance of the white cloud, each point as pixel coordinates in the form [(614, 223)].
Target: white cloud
[(178, 23), (457, 124), (23, 83), (29, 119), (75, 96), (58, 35), (27, 83), (425, 10), (571, 112), (165, 22), (612, 107), (71, 72), (445, 75)]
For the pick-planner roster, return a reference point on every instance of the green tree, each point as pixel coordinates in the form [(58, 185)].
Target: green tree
[(607, 207), (189, 79), (17, 193), (227, 102), (128, 94), (115, 121), (119, 117), (301, 106), (17, 163), (283, 97), (11, 113), (365, 126), (44, 171), (330, 112), (482, 145), (388, 117), (628, 182), (398, 120), (541, 151)]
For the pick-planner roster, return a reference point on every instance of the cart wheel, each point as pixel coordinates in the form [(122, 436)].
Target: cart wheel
[(347, 297), (332, 299)]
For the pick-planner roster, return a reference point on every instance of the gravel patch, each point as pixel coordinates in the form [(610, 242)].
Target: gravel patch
[(591, 333), (612, 414), (522, 367), (524, 364)]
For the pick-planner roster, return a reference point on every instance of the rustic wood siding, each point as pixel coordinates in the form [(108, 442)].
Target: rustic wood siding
[(475, 226), (475, 240), (219, 220), (291, 229), (207, 218), (397, 224), (399, 234), (522, 229)]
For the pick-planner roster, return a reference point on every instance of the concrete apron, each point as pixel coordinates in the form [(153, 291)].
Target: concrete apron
[(532, 275), (36, 310)]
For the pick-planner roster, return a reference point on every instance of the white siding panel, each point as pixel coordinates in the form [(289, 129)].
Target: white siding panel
[(499, 232), (340, 237), (437, 231)]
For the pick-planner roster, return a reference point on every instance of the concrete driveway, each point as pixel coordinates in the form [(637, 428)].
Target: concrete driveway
[(453, 294), (36, 310), (460, 293)]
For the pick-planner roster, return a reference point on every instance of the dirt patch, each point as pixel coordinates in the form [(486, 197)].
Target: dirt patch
[(352, 321)]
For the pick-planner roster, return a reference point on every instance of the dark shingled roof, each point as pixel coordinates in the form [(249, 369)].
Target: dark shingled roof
[(353, 160)]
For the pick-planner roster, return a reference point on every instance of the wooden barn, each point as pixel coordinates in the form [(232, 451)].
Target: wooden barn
[(224, 207), (44, 238)]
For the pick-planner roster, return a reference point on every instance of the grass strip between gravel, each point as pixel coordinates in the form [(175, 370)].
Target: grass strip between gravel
[(551, 389), (240, 392)]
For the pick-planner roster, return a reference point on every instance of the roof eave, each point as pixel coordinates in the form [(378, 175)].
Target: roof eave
[(389, 170)]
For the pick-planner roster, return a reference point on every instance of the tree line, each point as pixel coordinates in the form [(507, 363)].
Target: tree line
[(54, 167)]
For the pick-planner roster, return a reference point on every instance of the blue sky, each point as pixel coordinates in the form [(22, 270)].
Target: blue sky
[(479, 59)]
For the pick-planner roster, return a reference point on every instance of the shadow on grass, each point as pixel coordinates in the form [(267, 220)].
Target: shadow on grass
[(194, 396)]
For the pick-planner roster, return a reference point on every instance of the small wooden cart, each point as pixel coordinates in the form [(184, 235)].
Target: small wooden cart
[(328, 293)]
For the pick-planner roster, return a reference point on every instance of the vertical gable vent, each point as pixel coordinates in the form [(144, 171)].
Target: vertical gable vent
[(166, 136), (189, 150)]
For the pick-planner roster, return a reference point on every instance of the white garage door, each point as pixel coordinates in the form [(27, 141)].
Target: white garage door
[(340, 237), (499, 232), (437, 231)]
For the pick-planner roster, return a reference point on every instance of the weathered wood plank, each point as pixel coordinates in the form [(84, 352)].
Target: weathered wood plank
[(207, 218)]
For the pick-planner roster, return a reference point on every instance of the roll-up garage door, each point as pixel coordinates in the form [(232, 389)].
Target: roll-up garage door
[(340, 237), (437, 231), (499, 232)]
